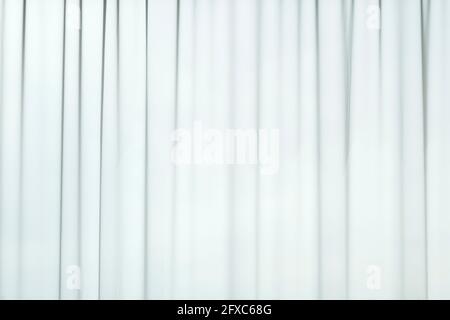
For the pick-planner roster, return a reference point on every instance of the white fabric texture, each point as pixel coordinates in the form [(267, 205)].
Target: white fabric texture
[(92, 206)]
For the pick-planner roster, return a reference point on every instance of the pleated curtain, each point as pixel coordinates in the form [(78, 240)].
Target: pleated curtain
[(93, 207)]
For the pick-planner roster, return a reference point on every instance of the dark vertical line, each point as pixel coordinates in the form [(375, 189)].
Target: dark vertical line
[(174, 176), (349, 51), (22, 116), (101, 152), (424, 47), (319, 176), (62, 150), (146, 159), (80, 66), (118, 177), (257, 178)]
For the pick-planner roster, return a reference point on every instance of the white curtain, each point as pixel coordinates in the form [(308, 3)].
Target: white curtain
[(93, 205)]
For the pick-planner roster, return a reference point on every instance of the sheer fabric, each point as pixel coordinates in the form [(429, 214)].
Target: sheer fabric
[(92, 205)]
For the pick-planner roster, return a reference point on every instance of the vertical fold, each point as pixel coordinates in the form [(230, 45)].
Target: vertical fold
[(112, 234), (183, 226), (161, 56), (62, 152), (146, 190), (308, 193), (175, 126), (13, 13), (391, 142), (438, 149), (41, 149), (424, 24), (286, 162), (414, 265), (331, 55), (131, 146), (365, 257), (100, 190), (245, 104), (91, 61)]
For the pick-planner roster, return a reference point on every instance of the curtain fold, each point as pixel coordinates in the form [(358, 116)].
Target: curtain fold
[(93, 95)]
